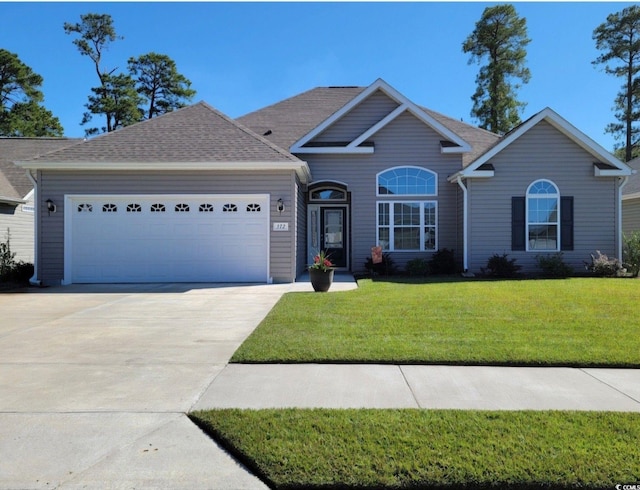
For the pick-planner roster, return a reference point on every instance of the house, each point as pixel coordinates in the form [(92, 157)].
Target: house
[(631, 200), (16, 191), (196, 196)]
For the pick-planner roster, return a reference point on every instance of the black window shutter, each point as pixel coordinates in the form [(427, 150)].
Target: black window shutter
[(566, 223), (518, 223)]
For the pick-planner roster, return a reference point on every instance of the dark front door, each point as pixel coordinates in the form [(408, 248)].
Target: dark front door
[(333, 234)]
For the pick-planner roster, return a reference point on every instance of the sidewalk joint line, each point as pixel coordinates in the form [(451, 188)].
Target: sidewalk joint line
[(413, 394), (607, 384)]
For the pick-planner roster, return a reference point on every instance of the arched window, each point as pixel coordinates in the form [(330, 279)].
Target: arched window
[(328, 191), (543, 216), (407, 181), (407, 224)]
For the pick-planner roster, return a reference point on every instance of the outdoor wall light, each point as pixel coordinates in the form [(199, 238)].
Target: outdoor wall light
[(50, 206), (280, 205)]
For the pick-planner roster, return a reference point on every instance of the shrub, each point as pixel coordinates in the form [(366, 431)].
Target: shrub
[(631, 253), (10, 270), (384, 268), (7, 258), (21, 272), (554, 266), (603, 266), (443, 262), (501, 266), (417, 267)]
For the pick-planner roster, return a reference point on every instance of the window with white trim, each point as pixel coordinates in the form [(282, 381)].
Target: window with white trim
[(543, 216), (408, 225), (407, 181)]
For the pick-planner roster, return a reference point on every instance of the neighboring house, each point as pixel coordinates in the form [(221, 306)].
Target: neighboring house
[(631, 200), (196, 196), (16, 191)]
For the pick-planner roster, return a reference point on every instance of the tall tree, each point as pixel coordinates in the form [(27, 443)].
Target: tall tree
[(619, 40), (500, 38), (20, 97), (118, 100), (159, 82), (96, 33)]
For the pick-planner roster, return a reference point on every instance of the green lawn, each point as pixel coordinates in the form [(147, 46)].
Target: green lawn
[(443, 449), (572, 322)]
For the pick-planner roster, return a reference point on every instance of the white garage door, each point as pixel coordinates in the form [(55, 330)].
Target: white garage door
[(165, 238)]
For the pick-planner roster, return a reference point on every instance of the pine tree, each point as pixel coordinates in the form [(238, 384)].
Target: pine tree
[(499, 38)]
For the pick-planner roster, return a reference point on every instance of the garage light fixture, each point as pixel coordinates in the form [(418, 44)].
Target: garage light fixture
[(50, 206), (280, 205)]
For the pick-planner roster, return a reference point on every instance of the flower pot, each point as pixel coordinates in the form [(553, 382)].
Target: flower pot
[(321, 280)]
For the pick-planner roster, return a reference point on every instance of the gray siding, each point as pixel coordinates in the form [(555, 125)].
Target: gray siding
[(20, 226), (359, 119), (405, 141), (301, 228), (631, 215), (542, 153), (55, 184)]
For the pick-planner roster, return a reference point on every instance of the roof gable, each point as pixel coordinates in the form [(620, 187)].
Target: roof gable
[(605, 166), (356, 144)]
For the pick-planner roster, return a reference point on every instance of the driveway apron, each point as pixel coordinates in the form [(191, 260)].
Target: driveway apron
[(95, 382)]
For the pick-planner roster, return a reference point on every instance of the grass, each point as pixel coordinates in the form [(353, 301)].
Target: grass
[(431, 449), (588, 322)]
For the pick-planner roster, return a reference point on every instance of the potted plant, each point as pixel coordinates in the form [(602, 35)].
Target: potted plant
[(321, 272)]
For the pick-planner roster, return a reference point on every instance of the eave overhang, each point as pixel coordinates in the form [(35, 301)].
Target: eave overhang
[(11, 201), (300, 167)]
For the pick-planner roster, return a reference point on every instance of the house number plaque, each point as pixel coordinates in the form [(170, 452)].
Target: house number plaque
[(280, 226)]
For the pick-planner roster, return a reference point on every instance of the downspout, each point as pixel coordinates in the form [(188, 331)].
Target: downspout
[(623, 182), (465, 260), (34, 281)]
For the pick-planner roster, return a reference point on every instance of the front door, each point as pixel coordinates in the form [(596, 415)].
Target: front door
[(333, 234)]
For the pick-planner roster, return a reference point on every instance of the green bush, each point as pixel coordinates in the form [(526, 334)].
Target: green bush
[(21, 272), (501, 267), (7, 258), (443, 262), (384, 268), (631, 253), (603, 266), (554, 266), (10, 269), (417, 267)]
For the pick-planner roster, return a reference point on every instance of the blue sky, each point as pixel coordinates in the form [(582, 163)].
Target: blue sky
[(244, 56)]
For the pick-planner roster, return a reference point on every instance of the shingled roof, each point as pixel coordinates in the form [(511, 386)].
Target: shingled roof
[(633, 185), (287, 121), (194, 134), (14, 184)]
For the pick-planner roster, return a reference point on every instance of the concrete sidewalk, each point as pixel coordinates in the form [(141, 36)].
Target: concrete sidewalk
[(454, 387), (96, 381)]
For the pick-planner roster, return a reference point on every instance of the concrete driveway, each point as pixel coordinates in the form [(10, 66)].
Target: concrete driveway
[(95, 381)]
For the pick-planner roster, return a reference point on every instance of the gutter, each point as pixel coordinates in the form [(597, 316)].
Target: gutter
[(12, 201), (465, 261), (34, 281)]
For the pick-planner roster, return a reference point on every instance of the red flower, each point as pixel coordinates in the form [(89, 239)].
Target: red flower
[(321, 261)]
